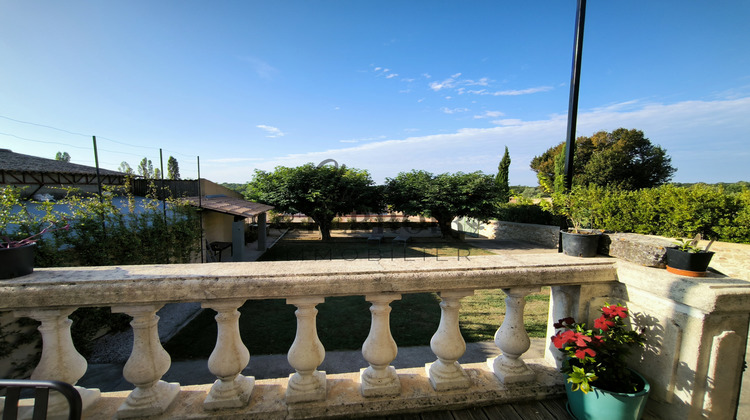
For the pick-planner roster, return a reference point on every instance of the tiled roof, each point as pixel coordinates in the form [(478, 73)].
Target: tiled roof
[(17, 162), (230, 205)]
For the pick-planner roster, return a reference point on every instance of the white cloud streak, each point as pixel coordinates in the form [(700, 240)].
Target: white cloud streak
[(272, 132), (684, 129)]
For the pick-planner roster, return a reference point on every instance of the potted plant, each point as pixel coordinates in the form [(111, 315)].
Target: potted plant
[(687, 259), (17, 256), (599, 384), (576, 241)]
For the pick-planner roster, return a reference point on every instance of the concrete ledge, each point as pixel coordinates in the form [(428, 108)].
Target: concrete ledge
[(344, 399), (649, 251), (138, 284)]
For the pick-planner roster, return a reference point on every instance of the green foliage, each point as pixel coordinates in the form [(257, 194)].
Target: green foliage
[(444, 197), (240, 188), (321, 193), (501, 179), (62, 156), (623, 158), (102, 234), (668, 210), (146, 169), (598, 355), (173, 168)]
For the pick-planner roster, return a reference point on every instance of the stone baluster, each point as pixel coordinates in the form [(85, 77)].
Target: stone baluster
[(379, 349), (306, 354), (230, 356), (511, 338), (448, 345), (60, 360), (148, 362)]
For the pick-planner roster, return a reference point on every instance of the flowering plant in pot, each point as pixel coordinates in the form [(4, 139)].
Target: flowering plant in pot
[(596, 369)]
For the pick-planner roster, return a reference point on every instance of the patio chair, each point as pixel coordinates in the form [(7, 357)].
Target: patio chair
[(41, 389)]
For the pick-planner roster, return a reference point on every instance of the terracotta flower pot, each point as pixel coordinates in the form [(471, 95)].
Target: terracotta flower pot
[(690, 264)]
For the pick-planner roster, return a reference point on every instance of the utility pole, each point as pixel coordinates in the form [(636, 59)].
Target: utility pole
[(575, 79)]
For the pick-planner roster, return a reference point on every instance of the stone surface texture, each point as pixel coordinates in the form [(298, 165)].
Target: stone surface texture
[(649, 251), (697, 328)]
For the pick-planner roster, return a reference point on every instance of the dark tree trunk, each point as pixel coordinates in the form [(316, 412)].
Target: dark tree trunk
[(324, 227), (444, 223)]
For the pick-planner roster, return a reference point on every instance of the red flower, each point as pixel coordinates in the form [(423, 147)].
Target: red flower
[(581, 353), (562, 338), (612, 311), (582, 340), (564, 322), (604, 323)]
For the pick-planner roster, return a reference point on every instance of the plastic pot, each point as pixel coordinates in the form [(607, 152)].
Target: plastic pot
[(16, 262)]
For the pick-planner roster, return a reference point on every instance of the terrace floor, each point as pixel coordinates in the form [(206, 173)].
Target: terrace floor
[(551, 409)]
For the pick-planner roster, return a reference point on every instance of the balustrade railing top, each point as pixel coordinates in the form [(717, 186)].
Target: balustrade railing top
[(105, 286), (51, 295)]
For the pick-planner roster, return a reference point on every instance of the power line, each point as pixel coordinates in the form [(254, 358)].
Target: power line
[(83, 135), (45, 142), (45, 126)]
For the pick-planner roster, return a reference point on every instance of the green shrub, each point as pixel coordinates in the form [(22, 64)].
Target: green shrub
[(669, 210)]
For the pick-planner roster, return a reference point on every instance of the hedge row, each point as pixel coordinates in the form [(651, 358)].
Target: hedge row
[(669, 210)]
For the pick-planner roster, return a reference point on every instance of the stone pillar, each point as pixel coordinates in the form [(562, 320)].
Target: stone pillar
[(60, 360), (379, 349), (306, 354), (448, 345), (262, 227), (147, 364), (511, 338), (238, 239), (230, 356)]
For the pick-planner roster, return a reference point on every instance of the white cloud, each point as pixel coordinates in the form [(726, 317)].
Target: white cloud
[(445, 84), (261, 68), (272, 132), (514, 92), (489, 114), (684, 129), (454, 110)]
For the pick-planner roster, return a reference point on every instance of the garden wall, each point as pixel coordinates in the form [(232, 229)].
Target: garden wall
[(547, 236)]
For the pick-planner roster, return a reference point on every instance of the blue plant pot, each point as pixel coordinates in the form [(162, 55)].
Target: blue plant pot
[(16, 262), (601, 404)]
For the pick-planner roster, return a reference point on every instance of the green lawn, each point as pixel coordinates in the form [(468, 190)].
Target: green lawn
[(268, 326)]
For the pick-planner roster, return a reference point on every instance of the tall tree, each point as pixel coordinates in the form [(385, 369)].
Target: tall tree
[(62, 156), (146, 169), (502, 177), (173, 168), (321, 193), (623, 158), (125, 167), (444, 197)]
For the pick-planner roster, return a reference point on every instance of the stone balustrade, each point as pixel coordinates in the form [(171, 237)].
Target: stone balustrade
[(50, 295)]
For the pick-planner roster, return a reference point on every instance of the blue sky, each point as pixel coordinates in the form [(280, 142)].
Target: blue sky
[(386, 86)]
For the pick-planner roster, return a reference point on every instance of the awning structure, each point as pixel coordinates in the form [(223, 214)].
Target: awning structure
[(230, 205)]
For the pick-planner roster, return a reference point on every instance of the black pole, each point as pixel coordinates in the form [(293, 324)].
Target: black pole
[(575, 79), (162, 194)]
